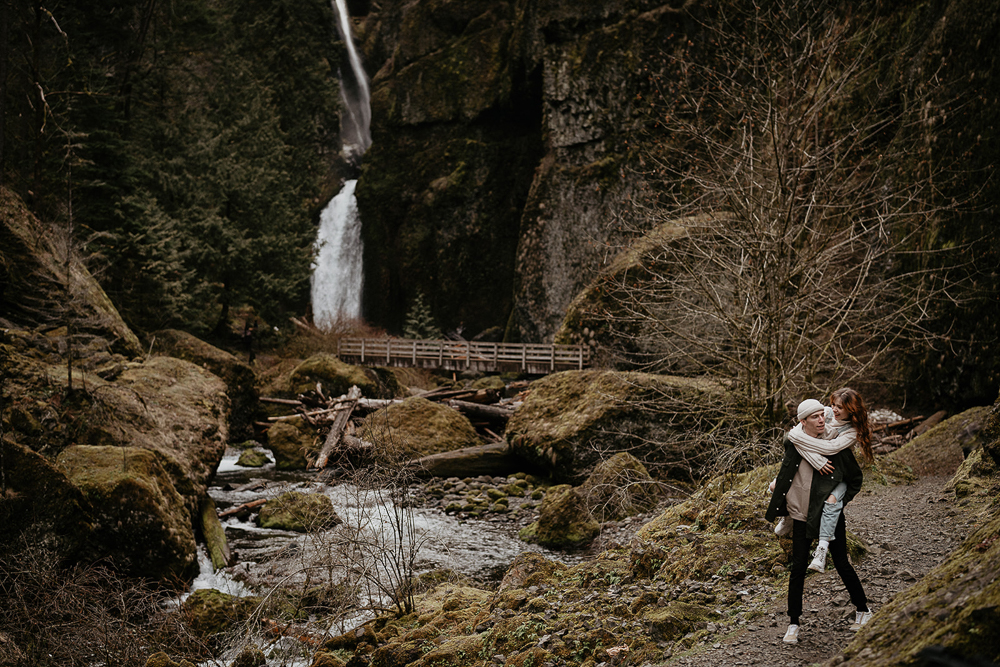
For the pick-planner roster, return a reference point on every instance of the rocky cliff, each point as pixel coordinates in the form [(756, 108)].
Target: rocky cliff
[(508, 137)]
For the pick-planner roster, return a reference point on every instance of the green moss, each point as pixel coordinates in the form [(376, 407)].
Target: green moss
[(208, 611), (299, 512), (419, 427), (956, 605)]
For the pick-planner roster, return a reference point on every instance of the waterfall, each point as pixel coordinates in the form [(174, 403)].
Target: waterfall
[(337, 276), (337, 270)]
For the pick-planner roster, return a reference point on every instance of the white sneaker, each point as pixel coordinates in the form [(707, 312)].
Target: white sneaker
[(791, 635), (861, 618), (784, 526), (818, 563)]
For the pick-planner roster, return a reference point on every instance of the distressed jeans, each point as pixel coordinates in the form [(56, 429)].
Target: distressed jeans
[(831, 512)]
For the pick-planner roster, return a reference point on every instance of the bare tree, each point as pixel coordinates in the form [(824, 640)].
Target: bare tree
[(791, 248)]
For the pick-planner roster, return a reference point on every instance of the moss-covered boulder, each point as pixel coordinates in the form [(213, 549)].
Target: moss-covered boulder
[(299, 512), (569, 420), (240, 378), (418, 427), (291, 441), (619, 487), (208, 611), (252, 458), (39, 505), (595, 316), (564, 520), (34, 280), (138, 514), (336, 378)]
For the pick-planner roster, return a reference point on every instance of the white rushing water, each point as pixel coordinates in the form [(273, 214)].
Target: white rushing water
[(337, 270)]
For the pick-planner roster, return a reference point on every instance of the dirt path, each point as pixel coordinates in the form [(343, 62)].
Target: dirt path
[(911, 528)]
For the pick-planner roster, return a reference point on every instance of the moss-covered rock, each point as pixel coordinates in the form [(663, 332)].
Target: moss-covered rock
[(253, 458), (299, 512), (240, 379), (569, 419), (619, 487), (564, 520), (208, 611), (292, 442), (139, 515), (417, 427), (337, 378), (34, 279)]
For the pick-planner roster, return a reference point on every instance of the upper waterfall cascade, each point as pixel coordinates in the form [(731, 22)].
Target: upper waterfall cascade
[(337, 269)]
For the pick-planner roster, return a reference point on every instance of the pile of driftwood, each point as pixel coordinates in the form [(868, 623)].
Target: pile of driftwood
[(889, 436), (333, 418)]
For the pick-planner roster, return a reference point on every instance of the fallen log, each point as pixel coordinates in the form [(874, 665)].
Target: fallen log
[(280, 401), (494, 458), (344, 408), (244, 507), (214, 534), (478, 410), (896, 424), (927, 424)]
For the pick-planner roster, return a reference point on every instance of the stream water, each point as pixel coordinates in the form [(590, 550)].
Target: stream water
[(479, 550)]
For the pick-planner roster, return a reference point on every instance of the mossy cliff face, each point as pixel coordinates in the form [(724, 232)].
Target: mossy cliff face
[(509, 135), (498, 152)]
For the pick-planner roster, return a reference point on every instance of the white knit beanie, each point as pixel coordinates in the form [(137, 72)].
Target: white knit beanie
[(807, 407)]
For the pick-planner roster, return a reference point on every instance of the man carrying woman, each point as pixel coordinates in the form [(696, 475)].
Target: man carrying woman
[(799, 494)]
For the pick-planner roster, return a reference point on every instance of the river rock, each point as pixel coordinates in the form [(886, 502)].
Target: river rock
[(564, 520), (571, 420), (290, 440), (418, 427), (208, 611), (299, 512)]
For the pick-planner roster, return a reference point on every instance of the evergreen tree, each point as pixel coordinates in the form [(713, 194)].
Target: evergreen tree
[(420, 322)]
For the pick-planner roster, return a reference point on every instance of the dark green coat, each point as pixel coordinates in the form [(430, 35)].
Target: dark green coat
[(846, 469)]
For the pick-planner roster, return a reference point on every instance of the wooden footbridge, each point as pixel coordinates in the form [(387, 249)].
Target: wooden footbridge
[(536, 359)]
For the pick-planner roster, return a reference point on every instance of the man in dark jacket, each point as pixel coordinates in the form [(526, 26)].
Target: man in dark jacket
[(798, 493)]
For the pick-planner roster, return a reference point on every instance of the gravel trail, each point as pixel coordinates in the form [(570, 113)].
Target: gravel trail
[(910, 528)]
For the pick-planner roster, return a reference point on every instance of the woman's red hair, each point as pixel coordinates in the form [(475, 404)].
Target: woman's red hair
[(857, 414)]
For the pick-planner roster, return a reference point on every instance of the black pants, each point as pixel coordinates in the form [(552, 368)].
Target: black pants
[(800, 561)]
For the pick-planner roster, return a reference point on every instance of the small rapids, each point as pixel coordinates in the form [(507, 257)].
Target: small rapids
[(479, 550)]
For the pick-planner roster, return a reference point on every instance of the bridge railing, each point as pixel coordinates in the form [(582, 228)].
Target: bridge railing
[(463, 355)]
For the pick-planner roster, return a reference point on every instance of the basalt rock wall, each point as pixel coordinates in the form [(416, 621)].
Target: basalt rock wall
[(508, 135)]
